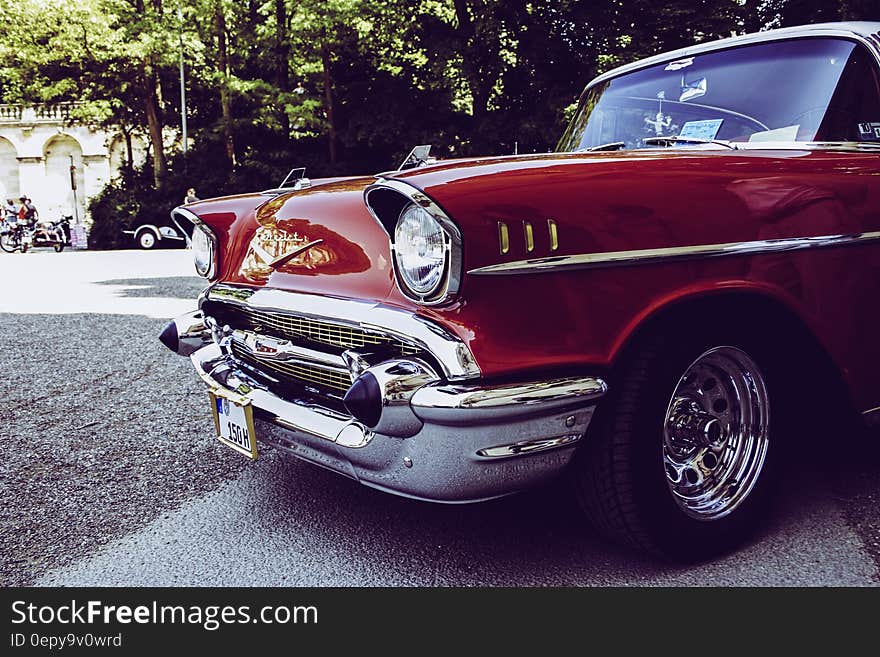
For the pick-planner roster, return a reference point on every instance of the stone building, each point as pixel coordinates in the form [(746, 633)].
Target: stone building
[(38, 145)]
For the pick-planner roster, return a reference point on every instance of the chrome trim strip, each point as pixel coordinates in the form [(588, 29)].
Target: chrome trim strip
[(848, 146), (871, 417), (840, 30), (453, 355), (462, 404), (452, 280), (646, 256), (528, 446)]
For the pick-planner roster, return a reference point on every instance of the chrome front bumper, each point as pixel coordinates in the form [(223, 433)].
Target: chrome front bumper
[(475, 442)]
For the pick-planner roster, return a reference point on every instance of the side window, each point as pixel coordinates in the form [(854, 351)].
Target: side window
[(854, 111)]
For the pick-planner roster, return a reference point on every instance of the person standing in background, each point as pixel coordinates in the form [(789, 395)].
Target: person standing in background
[(190, 196), (28, 211), (10, 212)]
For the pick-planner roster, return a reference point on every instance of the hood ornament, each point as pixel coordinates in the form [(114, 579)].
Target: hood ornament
[(271, 248), (290, 255)]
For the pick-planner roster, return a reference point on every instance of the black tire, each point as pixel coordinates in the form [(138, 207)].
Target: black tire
[(24, 247), (7, 243), (620, 475), (59, 248)]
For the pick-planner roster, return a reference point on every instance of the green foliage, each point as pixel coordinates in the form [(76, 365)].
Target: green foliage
[(123, 204), (339, 86)]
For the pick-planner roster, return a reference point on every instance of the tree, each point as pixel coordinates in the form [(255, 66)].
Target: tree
[(345, 86)]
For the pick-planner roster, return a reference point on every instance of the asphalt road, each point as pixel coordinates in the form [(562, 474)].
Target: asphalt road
[(110, 475)]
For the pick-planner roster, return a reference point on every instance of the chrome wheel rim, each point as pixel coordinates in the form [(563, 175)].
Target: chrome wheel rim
[(147, 240), (715, 435)]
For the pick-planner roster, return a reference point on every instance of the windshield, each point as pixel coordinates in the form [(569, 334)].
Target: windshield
[(810, 89)]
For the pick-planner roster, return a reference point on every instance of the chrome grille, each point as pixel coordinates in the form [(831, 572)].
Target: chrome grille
[(316, 334), (294, 327), (329, 381)]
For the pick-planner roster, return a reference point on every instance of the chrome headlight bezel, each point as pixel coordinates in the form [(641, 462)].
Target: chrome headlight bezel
[(415, 217), (204, 248), (208, 244), (388, 200)]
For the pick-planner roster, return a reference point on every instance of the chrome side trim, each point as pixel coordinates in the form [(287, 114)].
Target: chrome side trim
[(453, 355), (457, 404), (449, 287), (871, 417), (647, 256), (837, 146), (528, 446)]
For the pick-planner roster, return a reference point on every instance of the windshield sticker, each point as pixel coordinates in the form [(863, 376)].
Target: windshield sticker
[(694, 89), (701, 129), (788, 133), (679, 64), (869, 131)]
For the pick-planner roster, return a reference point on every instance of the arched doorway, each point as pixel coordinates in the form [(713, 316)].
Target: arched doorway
[(9, 184), (57, 198)]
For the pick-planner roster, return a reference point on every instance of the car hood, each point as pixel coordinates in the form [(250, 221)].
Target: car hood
[(333, 244), (617, 201), (551, 205)]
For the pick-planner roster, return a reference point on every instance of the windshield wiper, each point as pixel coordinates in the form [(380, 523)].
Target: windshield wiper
[(673, 139), (611, 146)]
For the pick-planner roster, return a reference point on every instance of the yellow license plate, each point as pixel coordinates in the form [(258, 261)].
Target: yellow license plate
[(234, 422)]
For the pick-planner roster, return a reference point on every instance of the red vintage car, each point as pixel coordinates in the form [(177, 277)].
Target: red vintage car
[(661, 309)]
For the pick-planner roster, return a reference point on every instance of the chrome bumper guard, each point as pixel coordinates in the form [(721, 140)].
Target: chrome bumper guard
[(475, 443), (434, 438)]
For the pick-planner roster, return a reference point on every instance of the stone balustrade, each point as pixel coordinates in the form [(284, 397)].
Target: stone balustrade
[(45, 113)]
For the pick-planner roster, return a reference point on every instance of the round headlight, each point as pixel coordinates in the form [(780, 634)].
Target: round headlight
[(203, 251), (420, 250)]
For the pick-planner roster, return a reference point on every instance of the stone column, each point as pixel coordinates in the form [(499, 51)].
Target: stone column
[(32, 177), (96, 172)]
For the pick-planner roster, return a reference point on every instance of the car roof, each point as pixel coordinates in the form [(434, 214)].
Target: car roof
[(867, 32)]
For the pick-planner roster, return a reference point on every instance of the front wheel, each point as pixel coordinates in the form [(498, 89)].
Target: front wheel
[(680, 459), (8, 243), (59, 247)]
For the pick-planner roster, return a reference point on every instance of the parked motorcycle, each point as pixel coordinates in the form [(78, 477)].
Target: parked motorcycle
[(45, 233), (53, 233), (12, 237)]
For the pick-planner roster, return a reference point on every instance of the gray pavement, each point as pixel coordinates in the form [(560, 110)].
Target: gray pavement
[(111, 477)]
